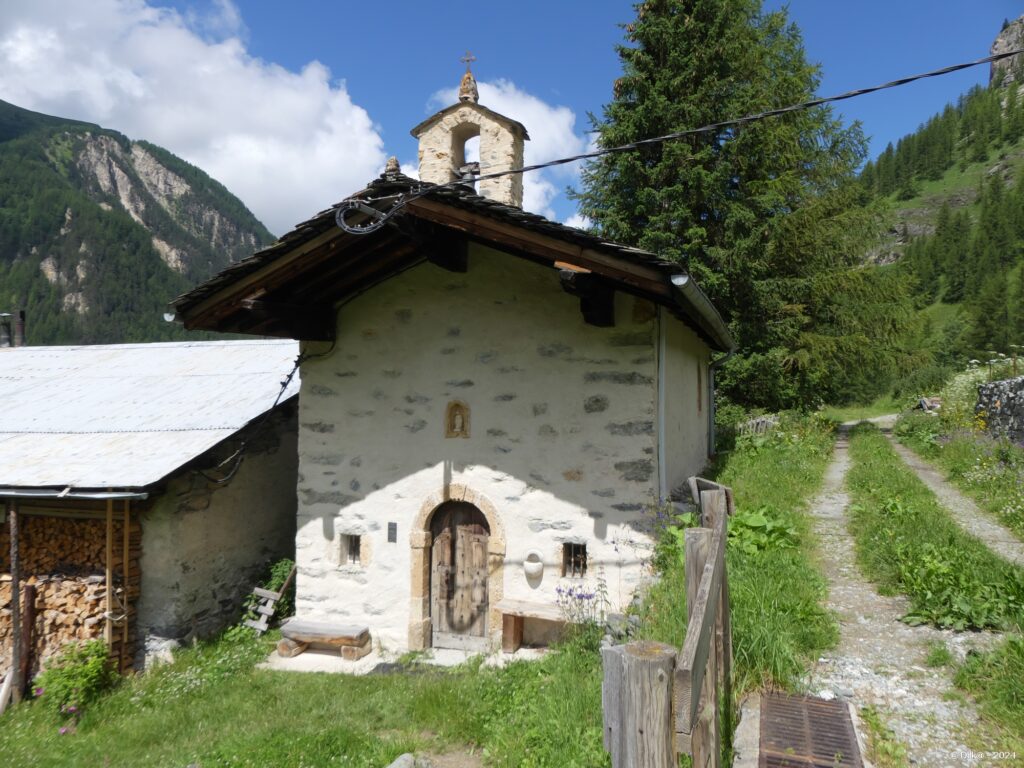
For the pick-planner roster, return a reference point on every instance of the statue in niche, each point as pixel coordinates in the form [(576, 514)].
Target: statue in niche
[(456, 422)]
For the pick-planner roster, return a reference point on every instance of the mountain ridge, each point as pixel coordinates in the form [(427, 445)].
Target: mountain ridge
[(98, 232)]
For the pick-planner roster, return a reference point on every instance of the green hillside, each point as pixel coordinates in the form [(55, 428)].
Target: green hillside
[(956, 208), (98, 233)]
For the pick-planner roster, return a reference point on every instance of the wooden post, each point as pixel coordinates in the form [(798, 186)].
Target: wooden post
[(17, 682), (697, 546), (647, 726), (715, 507), (612, 704), (124, 587), (108, 572)]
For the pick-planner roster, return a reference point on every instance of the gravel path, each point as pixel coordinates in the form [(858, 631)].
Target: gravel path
[(973, 520), (880, 661)]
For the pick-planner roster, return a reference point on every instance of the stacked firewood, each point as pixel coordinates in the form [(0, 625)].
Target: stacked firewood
[(58, 545), (67, 609), (64, 559)]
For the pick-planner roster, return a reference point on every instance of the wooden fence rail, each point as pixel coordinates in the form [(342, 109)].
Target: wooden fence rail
[(658, 702)]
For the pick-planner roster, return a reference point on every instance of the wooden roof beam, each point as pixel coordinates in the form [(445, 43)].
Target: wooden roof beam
[(597, 296), (649, 279)]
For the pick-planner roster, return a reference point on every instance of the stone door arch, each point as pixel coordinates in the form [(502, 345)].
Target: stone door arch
[(421, 541)]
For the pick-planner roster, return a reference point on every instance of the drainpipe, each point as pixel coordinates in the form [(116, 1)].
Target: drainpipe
[(715, 365), (663, 489)]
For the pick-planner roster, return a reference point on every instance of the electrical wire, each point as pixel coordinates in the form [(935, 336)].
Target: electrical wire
[(379, 218), (239, 455)]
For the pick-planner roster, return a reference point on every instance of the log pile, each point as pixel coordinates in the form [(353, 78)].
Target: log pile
[(64, 558)]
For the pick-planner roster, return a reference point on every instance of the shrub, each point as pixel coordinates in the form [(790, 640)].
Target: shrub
[(921, 382), (73, 679)]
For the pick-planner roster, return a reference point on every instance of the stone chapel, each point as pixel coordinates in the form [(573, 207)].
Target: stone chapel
[(492, 404)]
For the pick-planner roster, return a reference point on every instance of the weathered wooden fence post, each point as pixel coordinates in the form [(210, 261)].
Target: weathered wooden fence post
[(612, 704), (698, 546), (637, 694), (658, 703)]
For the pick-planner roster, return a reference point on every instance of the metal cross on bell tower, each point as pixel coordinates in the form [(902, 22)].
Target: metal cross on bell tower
[(467, 88)]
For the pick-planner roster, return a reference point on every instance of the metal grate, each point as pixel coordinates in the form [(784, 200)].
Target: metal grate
[(804, 732)]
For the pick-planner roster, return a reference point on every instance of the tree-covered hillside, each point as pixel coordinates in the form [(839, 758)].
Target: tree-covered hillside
[(98, 233), (958, 204)]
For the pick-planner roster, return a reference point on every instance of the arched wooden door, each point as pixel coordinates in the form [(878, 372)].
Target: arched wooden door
[(458, 577)]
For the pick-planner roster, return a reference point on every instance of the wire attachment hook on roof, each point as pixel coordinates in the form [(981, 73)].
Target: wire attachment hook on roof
[(377, 218)]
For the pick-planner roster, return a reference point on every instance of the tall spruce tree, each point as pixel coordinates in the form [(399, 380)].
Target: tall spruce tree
[(768, 217)]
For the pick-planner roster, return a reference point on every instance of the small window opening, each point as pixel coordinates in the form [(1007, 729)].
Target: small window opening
[(574, 560), (350, 549)]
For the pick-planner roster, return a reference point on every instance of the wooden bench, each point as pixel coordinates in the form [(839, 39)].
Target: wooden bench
[(297, 634), (513, 614)]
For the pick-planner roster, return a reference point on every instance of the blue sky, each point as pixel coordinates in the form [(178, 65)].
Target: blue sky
[(294, 105)]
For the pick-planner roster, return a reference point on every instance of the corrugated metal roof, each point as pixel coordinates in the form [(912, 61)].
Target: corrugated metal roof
[(127, 415)]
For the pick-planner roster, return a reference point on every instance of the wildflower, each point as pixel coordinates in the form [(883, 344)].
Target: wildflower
[(39, 691), (64, 730)]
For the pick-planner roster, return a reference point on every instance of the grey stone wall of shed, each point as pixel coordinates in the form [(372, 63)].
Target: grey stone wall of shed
[(204, 546)]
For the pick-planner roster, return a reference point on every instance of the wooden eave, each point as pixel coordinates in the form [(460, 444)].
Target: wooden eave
[(295, 292)]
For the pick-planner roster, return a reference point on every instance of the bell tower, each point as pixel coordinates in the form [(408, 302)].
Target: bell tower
[(443, 138)]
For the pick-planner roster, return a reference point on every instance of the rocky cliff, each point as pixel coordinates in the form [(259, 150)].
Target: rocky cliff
[(98, 232), (1011, 38)]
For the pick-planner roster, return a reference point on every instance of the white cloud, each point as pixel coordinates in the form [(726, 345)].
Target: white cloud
[(287, 143), (579, 221), (552, 132)]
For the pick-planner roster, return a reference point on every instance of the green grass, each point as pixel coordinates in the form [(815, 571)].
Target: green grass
[(931, 193), (988, 470), (779, 624), (938, 655), (884, 750), (880, 406), (906, 541), (996, 680), (212, 707)]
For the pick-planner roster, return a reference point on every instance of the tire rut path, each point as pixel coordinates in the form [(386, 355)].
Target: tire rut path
[(967, 514), (880, 661)]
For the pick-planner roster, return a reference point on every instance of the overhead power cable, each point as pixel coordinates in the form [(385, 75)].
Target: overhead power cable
[(379, 218)]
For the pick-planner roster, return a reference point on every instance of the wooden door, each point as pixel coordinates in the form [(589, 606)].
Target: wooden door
[(458, 577)]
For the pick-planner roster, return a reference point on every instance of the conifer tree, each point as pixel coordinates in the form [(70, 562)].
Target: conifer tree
[(764, 216), (1017, 316), (990, 330)]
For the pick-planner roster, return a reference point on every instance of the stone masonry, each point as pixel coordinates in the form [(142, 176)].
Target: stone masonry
[(442, 149), (1002, 405), (562, 448)]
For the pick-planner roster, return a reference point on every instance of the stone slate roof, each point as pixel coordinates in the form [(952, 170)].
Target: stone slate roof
[(381, 194)]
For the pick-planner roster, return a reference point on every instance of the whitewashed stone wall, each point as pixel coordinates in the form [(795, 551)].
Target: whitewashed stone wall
[(686, 401), (204, 546), (563, 439), (442, 151)]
